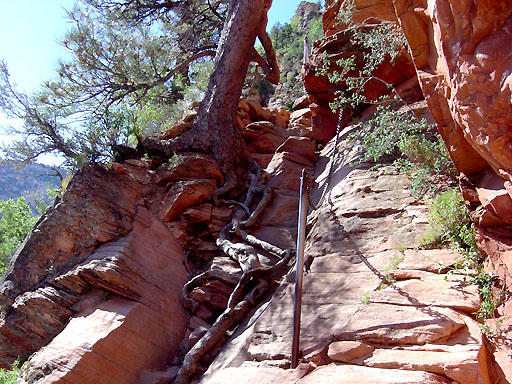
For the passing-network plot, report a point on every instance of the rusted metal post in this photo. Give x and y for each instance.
(301, 236)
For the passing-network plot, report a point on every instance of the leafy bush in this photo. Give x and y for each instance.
(10, 376)
(17, 219)
(16, 222)
(450, 218)
(411, 142)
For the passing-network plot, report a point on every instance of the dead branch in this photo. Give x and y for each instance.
(264, 202)
(271, 68)
(255, 242)
(257, 273)
(217, 331)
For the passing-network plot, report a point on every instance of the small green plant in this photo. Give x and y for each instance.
(401, 249)
(450, 218)
(430, 239)
(10, 376)
(388, 278)
(175, 160)
(494, 331)
(484, 281)
(393, 263)
(365, 299)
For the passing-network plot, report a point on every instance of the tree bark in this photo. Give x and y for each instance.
(215, 128)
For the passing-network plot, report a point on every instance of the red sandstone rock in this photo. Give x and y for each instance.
(302, 102)
(185, 194)
(176, 130)
(332, 373)
(255, 111)
(466, 78)
(266, 143)
(494, 196)
(111, 340)
(280, 117)
(346, 351)
(250, 375)
(189, 167)
(299, 145)
(107, 344)
(432, 289)
(466, 366)
(431, 260)
(322, 91)
(364, 11)
(301, 116)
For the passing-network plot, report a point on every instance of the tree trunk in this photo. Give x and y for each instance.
(216, 129)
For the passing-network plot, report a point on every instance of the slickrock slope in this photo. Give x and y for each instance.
(354, 324)
(465, 74)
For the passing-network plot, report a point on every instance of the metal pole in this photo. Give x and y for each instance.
(301, 235)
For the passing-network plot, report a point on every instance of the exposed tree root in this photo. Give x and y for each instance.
(264, 202)
(254, 274)
(217, 331)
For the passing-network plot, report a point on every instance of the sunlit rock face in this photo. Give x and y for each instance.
(465, 70)
(97, 283)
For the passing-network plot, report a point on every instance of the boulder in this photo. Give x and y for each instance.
(346, 351)
(300, 145)
(189, 167)
(186, 194)
(363, 11)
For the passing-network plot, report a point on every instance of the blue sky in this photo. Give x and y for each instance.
(30, 31)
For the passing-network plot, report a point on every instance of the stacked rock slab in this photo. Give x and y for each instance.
(99, 281)
(355, 324)
(466, 77)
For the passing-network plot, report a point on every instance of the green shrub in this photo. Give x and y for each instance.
(430, 239)
(16, 221)
(10, 376)
(410, 142)
(450, 218)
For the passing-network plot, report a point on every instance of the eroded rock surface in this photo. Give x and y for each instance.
(466, 78)
(99, 281)
(381, 332)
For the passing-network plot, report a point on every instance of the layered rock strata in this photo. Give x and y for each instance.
(107, 265)
(465, 74)
(363, 317)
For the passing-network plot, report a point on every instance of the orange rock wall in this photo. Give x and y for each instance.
(460, 50)
(463, 64)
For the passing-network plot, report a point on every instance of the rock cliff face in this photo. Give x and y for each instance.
(96, 293)
(354, 324)
(465, 74)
